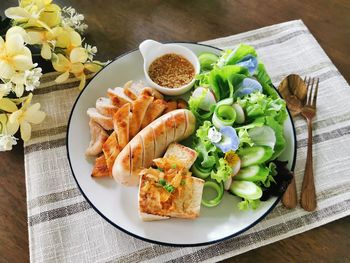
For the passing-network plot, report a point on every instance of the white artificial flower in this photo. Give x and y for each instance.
(6, 142)
(5, 89)
(91, 51)
(71, 18)
(31, 78)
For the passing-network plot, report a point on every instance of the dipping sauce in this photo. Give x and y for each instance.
(171, 71)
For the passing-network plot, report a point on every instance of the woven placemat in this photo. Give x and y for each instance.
(64, 228)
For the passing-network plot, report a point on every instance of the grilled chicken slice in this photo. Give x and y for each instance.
(100, 169)
(98, 137)
(118, 96)
(135, 89)
(152, 92)
(105, 106)
(121, 120)
(182, 104)
(170, 106)
(154, 110)
(104, 121)
(139, 108)
(111, 149)
(129, 91)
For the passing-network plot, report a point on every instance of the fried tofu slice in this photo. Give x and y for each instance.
(104, 121)
(105, 106)
(111, 149)
(121, 123)
(100, 168)
(184, 154)
(118, 96)
(139, 108)
(170, 106)
(169, 191)
(155, 109)
(98, 137)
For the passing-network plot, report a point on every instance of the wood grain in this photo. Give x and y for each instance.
(118, 26)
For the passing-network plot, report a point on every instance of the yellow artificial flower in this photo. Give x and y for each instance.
(14, 55)
(74, 65)
(67, 38)
(24, 117)
(35, 13)
(45, 38)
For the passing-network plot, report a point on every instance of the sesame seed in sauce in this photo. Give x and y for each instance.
(171, 71)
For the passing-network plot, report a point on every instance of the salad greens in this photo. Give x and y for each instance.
(240, 133)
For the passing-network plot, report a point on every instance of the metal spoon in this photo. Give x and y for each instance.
(293, 89)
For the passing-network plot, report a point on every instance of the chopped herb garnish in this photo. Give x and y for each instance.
(173, 166)
(160, 169)
(162, 182)
(169, 188)
(183, 182)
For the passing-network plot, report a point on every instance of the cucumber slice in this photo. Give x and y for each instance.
(240, 117)
(228, 101)
(218, 188)
(200, 172)
(224, 115)
(206, 60)
(246, 190)
(255, 155)
(253, 173)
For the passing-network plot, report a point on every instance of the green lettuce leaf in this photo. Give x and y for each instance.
(223, 171)
(231, 57)
(207, 152)
(265, 81)
(223, 81)
(247, 203)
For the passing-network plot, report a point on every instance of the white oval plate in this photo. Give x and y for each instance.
(118, 204)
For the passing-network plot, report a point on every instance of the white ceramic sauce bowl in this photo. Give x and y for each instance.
(152, 50)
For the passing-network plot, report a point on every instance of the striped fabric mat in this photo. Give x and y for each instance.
(64, 228)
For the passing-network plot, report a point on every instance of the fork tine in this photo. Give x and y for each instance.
(314, 99)
(309, 91)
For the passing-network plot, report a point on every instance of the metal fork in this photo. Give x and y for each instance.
(308, 193)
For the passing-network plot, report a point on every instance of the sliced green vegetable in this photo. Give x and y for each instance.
(200, 171)
(254, 155)
(219, 193)
(240, 116)
(207, 60)
(224, 115)
(246, 190)
(253, 173)
(263, 136)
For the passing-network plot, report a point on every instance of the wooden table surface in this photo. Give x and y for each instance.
(118, 26)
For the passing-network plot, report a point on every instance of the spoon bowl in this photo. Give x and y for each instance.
(293, 89)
